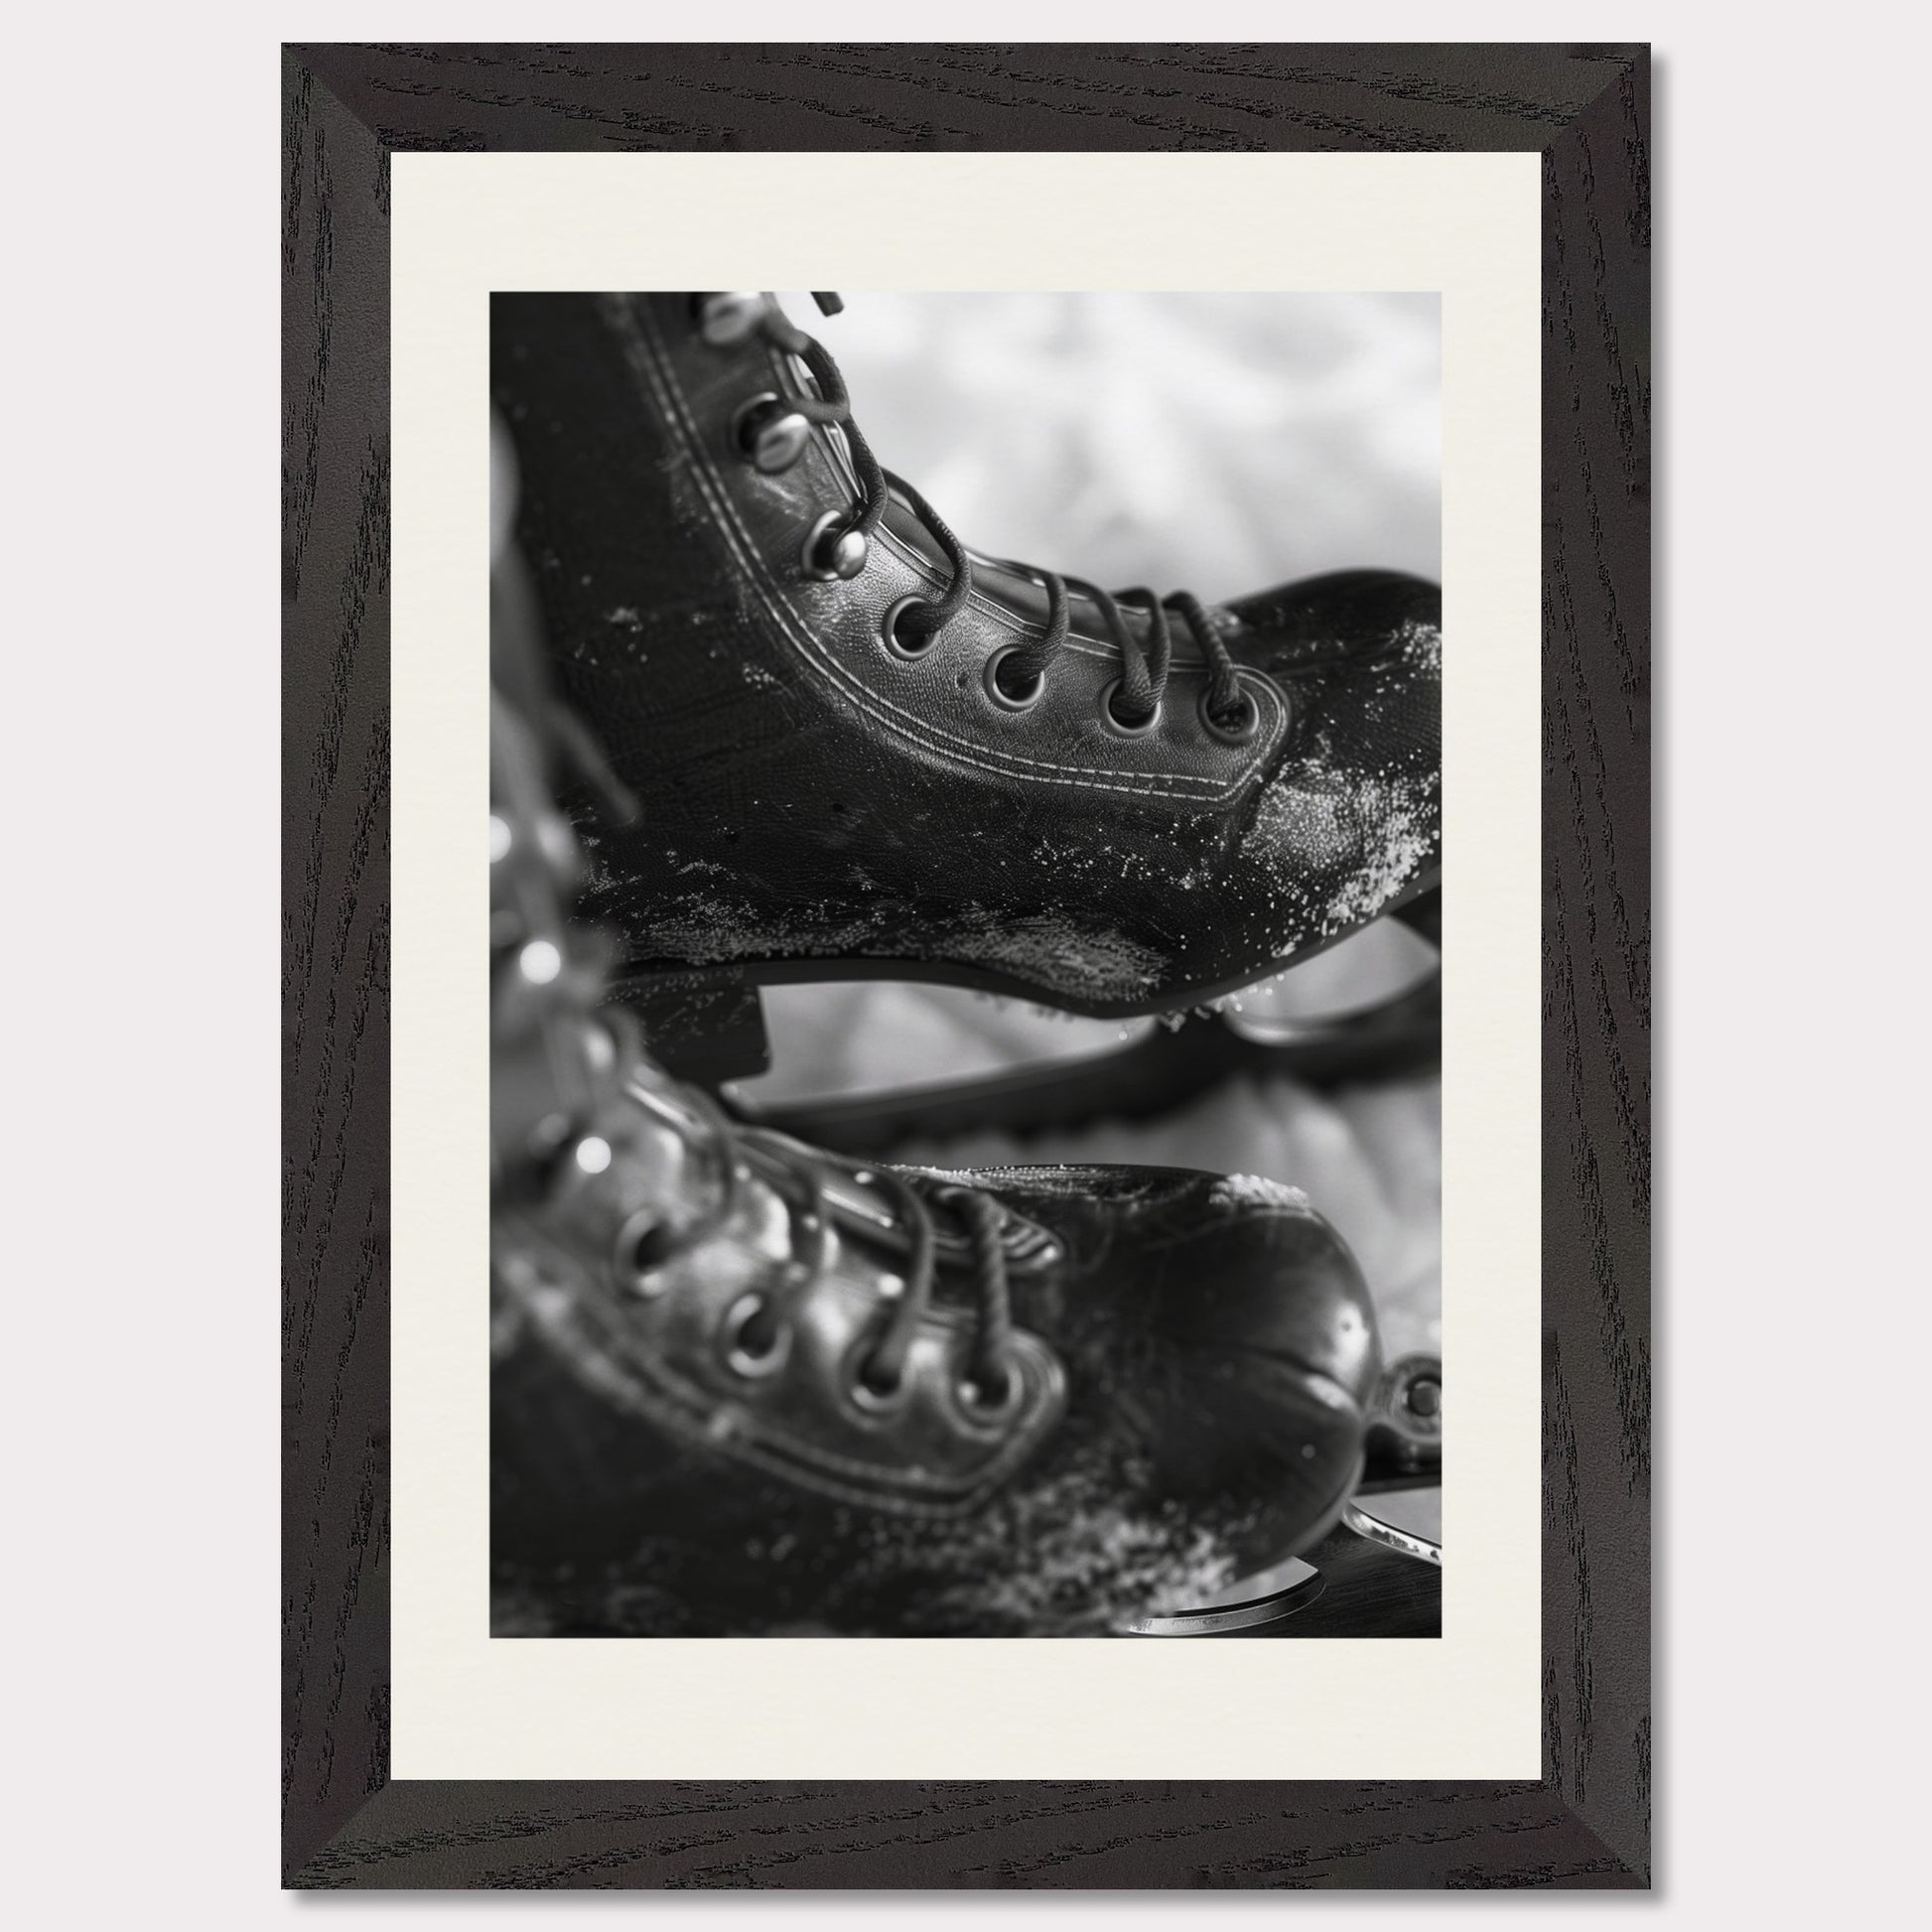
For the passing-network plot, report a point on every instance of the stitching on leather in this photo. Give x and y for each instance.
(646, 356)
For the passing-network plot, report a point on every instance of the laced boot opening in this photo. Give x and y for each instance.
(770, 431)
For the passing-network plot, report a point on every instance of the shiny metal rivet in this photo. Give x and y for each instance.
(834, 549)
(1118, 726)
(1005, 699)
(593, 1154)
(540, 962)
(769, 434)
(727, 319)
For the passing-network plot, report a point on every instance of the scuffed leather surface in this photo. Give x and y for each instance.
(810, 797)
(1217, 1348)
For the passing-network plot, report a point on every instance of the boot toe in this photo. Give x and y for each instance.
(1349, 820)
(1264, 1277)
(1273, 1350)
(1349, 616)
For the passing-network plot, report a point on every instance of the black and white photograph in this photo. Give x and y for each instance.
(965, 984)
(945, 1114)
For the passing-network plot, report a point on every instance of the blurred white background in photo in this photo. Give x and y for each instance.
(1212, 443)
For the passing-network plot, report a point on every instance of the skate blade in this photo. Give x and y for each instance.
(1369, 971)
(1387, 1570)
(1248, 1604)
(1380, 1522)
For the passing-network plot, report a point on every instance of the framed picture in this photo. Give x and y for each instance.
(985, 1139)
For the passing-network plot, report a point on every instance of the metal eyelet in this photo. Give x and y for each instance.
(864, 1397)
(769, 433)
(639, 1251)
(1238, 734)
(1005, 699)
(975, 1403)
(727, 319)
(845, 558)
(889, 631)
(1115, 724)
(752, 1363)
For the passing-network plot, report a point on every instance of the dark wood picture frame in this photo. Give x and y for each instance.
(1586, 1823)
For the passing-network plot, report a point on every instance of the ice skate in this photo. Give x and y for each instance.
(863, 750)
(742, 1386)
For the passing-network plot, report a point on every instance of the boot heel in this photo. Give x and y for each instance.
(699, 1030)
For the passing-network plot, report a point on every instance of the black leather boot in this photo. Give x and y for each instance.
(861, 748)
(742, 1386)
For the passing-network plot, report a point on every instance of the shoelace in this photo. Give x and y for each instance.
(590, 1059)
(1144, 667)
(801, 1176)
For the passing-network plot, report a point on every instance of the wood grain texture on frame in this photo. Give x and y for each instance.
(1585, 110)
